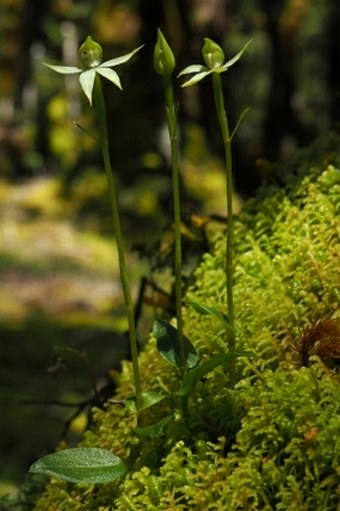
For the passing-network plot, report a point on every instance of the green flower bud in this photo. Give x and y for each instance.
(212, 53)
(90, 53)
(163, 58)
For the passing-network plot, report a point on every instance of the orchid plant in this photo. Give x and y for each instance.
(90, 56)
(100, 466)
(214, 58)
(164, 64)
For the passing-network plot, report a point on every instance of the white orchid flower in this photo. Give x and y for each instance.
(90, 55)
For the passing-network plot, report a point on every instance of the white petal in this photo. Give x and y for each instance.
(197, 78)
(86, 80)
(195, 68)
(120, 60)
(236, 57)
(65, 70)
(111, 75)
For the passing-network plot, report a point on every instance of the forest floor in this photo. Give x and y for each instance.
(59, 288)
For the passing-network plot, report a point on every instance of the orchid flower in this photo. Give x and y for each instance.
(90, 55)
(214, 58)
(90, 73)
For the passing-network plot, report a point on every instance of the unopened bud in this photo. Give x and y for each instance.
(163, 58)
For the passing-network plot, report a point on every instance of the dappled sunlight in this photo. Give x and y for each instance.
(169, 275)
(47, 262)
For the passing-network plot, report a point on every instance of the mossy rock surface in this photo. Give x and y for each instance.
(273, 442)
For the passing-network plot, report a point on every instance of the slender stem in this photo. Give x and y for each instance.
(102, 125)
(229, 267)
(172, 127)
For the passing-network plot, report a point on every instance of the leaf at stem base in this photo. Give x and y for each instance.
(86, 465)
(168, 344)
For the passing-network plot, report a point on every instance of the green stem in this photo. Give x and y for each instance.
(229, 267)
(102, 125)
(172, 127)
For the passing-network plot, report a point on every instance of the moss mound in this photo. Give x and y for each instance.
(273, 442)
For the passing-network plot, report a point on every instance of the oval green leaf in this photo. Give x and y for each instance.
(168, 344)
(86, 465)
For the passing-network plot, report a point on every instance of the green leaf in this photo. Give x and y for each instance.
(86, 131)
(240, 119)
(87, 465)
(168, 344)
(148, 399)
(205, 310)
(155, 407)
(151, 398)
(153, 429)
(197, 373)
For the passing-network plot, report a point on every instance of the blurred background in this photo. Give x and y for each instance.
(58, 269)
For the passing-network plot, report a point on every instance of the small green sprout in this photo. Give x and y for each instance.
(90, 56)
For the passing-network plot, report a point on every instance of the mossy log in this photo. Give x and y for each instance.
(272, 442)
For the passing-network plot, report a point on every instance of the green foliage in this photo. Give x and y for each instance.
(272, 443)
(286, 273)
(212, 311)
(276, 293)
(197, 373)
(168, 344)
(85, 465)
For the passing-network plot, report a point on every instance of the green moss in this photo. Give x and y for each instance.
(272, 443)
